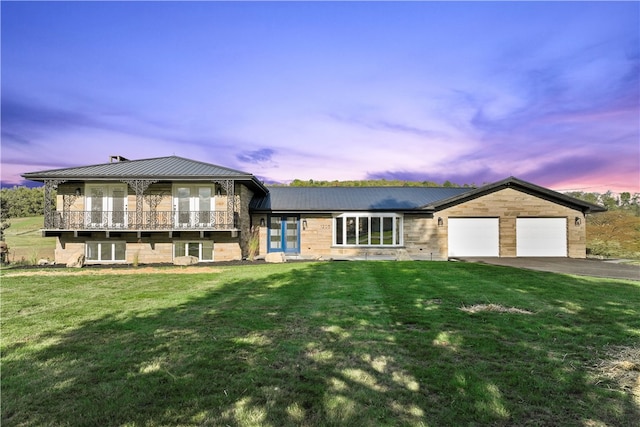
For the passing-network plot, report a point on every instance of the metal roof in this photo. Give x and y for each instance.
(307, 199)
(332, 199)
(172, 168)
(159, 167)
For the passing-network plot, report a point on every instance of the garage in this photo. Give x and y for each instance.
(541, 237)
(474, 237)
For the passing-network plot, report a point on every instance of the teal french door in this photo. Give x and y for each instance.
(284, 234)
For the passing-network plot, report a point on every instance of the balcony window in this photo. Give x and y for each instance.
(107, 205)
(193, 205)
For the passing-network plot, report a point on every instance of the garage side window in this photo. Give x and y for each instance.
(367, 230)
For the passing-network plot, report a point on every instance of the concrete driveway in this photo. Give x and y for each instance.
(584, 267)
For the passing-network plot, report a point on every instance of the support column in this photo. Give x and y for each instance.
(229, 187)
(49, 215)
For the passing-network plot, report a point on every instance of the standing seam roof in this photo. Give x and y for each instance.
(352, 198)
(160, 167)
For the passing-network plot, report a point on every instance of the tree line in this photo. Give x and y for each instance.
(369, 183)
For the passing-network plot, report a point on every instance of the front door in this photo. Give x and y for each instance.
(284, 234)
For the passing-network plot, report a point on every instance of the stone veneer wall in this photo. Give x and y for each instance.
(421, 237)
(156, 248)
(509, 204)
(316, 239)
(424, 239)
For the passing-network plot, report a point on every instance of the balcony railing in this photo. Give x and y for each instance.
(131, 220)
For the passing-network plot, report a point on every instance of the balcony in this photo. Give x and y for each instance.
(145, 221)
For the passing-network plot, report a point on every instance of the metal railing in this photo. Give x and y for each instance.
(131, 220)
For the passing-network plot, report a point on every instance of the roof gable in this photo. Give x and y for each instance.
(520, 185)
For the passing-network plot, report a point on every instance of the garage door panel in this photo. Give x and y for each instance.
(541, 237)
(474, 237)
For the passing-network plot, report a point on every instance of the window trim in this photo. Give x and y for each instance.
(397, 228)
(99, 252)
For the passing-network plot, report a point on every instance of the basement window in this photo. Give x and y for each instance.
(367, 229)
(106, 251)
(203, 250)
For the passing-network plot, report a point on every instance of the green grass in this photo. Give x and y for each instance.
(26, 244)
(327, 344)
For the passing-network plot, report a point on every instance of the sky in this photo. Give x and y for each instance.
(469, 92)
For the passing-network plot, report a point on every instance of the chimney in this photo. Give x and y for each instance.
(115, 159)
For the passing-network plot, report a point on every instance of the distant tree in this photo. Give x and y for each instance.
(614, 233)
(4, 223)
(625, 199)
(23, 201)
(370, 183)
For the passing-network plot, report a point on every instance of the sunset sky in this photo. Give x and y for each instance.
(470, 92)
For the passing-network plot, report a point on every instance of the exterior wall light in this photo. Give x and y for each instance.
(261, 222)
(78, 191)
(578, 221)
(304, 224)
(440, 221)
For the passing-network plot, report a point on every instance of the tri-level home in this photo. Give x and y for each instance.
(154, 210)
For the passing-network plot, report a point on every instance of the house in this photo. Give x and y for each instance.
(153, 210)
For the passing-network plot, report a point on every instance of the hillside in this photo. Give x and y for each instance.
(26, 244)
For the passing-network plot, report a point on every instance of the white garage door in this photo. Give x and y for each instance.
(473, 237)
(541, 237)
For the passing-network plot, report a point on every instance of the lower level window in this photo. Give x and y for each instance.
(367, 230)
(106, 251)
(202, 250)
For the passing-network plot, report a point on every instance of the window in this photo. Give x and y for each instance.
(107, 205)
(203, 250)
(106, 251)
(368, 230)
(193, 205)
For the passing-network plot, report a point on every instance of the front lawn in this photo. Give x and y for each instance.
(319, 344)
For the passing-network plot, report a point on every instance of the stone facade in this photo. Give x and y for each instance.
(151, 227)
(424, 238)
(152, 246)
(509, 204)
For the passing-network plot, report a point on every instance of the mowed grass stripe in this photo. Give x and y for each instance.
(357, 343)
